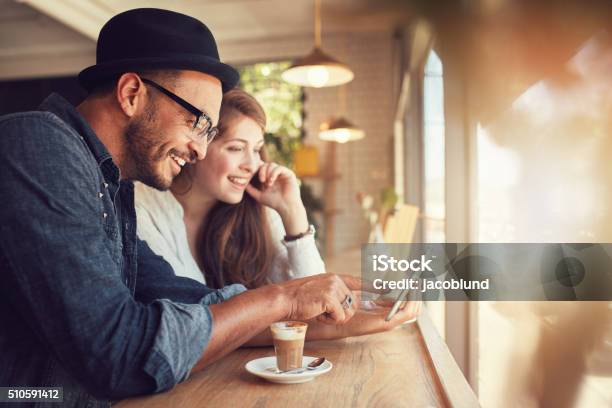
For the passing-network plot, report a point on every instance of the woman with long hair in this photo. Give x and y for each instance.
(233, 217)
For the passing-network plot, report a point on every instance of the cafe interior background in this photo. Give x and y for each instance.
(484, 120)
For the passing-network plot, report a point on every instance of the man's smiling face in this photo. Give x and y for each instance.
(159, 138)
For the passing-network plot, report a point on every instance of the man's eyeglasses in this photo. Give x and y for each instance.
(202, 127)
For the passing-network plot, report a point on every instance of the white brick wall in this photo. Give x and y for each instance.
(365, 165)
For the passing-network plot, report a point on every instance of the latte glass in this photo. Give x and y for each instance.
(288, 338)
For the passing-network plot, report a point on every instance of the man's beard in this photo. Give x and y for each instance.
(143, 151)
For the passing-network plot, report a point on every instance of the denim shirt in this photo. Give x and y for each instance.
(84, 304)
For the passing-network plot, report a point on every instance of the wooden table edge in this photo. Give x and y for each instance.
(456, 389)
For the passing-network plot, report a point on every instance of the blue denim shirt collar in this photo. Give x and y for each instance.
(59, 106)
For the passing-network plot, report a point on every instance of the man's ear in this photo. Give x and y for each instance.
(130, 93)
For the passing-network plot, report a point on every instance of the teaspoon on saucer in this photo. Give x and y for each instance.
(314, 364)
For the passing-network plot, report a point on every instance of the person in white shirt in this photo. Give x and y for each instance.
(232, 217)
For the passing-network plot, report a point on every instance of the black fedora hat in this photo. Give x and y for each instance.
(149, 38)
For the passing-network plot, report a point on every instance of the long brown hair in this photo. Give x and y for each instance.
(234, 244)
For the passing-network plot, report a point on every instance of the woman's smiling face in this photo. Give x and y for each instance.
(231, 161)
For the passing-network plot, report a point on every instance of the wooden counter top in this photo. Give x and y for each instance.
(408, 367)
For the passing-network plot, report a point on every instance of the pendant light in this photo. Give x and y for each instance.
(318, 69)
(338, 128)
(341, 130)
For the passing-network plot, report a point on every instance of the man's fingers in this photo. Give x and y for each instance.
(325, 319)
(351, 282)
(356, 297)
(349, 313)
(347, 301)
(368, 286)
(334, 310)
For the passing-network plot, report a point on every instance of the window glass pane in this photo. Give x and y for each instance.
(433, 155)
(545, 175)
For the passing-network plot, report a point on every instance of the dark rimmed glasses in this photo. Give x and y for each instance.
(202, 127)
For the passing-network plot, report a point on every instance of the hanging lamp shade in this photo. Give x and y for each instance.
(340, 130)
(318, 70)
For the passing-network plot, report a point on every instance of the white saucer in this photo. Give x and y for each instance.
(265, 367)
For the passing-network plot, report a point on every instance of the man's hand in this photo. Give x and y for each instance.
(320, 297)
(365, 322)
(250, 314)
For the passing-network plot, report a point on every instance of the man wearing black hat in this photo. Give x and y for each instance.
(84, 304)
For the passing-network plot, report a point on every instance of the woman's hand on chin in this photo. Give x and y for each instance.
(280, 191)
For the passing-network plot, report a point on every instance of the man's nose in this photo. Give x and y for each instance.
(198, 149)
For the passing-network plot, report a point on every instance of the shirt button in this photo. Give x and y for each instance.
(105, 185)
(105, 215)
(100, 195)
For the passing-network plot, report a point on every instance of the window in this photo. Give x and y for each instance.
(283, 104)
(434, 208)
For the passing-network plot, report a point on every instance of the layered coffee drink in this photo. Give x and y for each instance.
(288, 338)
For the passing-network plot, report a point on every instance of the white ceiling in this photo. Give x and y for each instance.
(233, 20)
(54, 37)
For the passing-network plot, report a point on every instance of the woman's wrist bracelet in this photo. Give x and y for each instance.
(309, 231)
